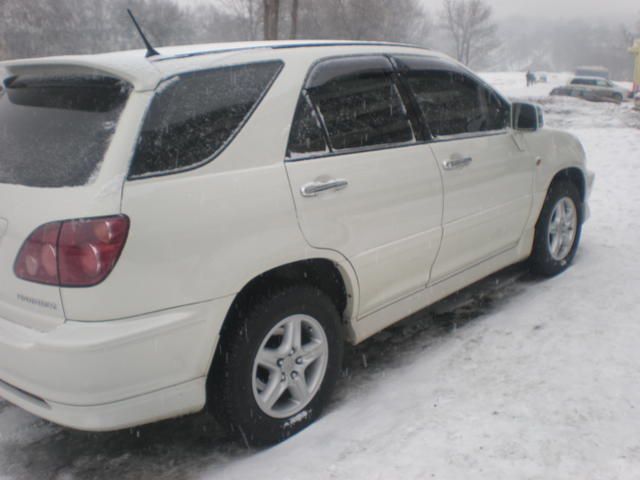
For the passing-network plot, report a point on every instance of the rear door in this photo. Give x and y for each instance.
(55, 130)
(487, 178)
(363, 184)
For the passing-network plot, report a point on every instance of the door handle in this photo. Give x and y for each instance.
(456, 163)
(314, 188)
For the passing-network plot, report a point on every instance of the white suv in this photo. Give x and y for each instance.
(207, 226)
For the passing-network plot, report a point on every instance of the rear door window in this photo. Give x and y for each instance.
(307, 136)
(55, 129)
(584, 81)
(358, 101)
(194, 116)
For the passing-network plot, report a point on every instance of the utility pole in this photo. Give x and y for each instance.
(271, 15)
(635, 50)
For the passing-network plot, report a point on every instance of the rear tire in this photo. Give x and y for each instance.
(277, 365)
(558, 230)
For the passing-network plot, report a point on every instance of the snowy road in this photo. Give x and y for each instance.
(532, 379)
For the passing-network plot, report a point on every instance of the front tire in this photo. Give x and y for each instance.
(277, 365)
(558, 230)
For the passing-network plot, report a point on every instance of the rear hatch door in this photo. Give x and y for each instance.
(57, 129)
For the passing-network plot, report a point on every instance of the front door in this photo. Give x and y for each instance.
(487, 178)
(488, 183)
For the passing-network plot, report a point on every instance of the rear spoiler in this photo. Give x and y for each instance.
(141, 74)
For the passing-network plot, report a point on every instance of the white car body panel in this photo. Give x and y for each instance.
(89, 374)
(372, 324)
(486, 203)
(137, 347)
(387, 222)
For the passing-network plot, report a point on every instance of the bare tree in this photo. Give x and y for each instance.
(294, 19)
(249, 12)
(469, 22)
(388, 20)
(271, 17)
(93, 26)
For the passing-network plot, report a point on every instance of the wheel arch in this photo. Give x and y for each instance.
(543, 260)
(572, 175)
(333, 277)
(328, 275)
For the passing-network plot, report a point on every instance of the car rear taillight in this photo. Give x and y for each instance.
(73, 253)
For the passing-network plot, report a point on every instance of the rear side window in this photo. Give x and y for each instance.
(194, 116)
(55, 129)
(584, 81)
(359, 103)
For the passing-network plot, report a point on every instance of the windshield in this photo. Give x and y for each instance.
(55, 130)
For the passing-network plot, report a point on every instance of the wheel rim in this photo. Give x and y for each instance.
(290, 366)
(563, 224)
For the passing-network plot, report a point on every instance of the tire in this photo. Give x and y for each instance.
(252, 362)
(618, 98)
(556, 238)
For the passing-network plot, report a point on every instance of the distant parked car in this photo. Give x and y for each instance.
(596, 82)
(594, 89)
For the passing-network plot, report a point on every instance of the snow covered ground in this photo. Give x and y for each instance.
(529, 379)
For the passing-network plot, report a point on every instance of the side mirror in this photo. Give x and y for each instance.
(527, 116)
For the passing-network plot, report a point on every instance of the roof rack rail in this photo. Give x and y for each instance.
(283, 46)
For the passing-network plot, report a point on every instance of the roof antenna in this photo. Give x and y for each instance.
(151, 52)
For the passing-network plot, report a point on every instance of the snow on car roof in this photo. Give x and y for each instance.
(145, 73)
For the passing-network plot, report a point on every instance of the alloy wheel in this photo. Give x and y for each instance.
(562, 229)
(290, 365)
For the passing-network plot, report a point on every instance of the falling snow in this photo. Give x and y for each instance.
(514, 378)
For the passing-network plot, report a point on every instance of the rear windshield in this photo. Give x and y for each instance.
(55, 130)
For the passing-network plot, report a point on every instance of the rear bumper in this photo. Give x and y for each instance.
(151, 407)
(111, 375)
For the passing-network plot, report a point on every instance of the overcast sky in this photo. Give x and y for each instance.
(621, 10)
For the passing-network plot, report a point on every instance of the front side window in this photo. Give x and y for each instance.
(498, 111)
(453, 103)
(450, 99)
(194, 116)
(359, 103)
